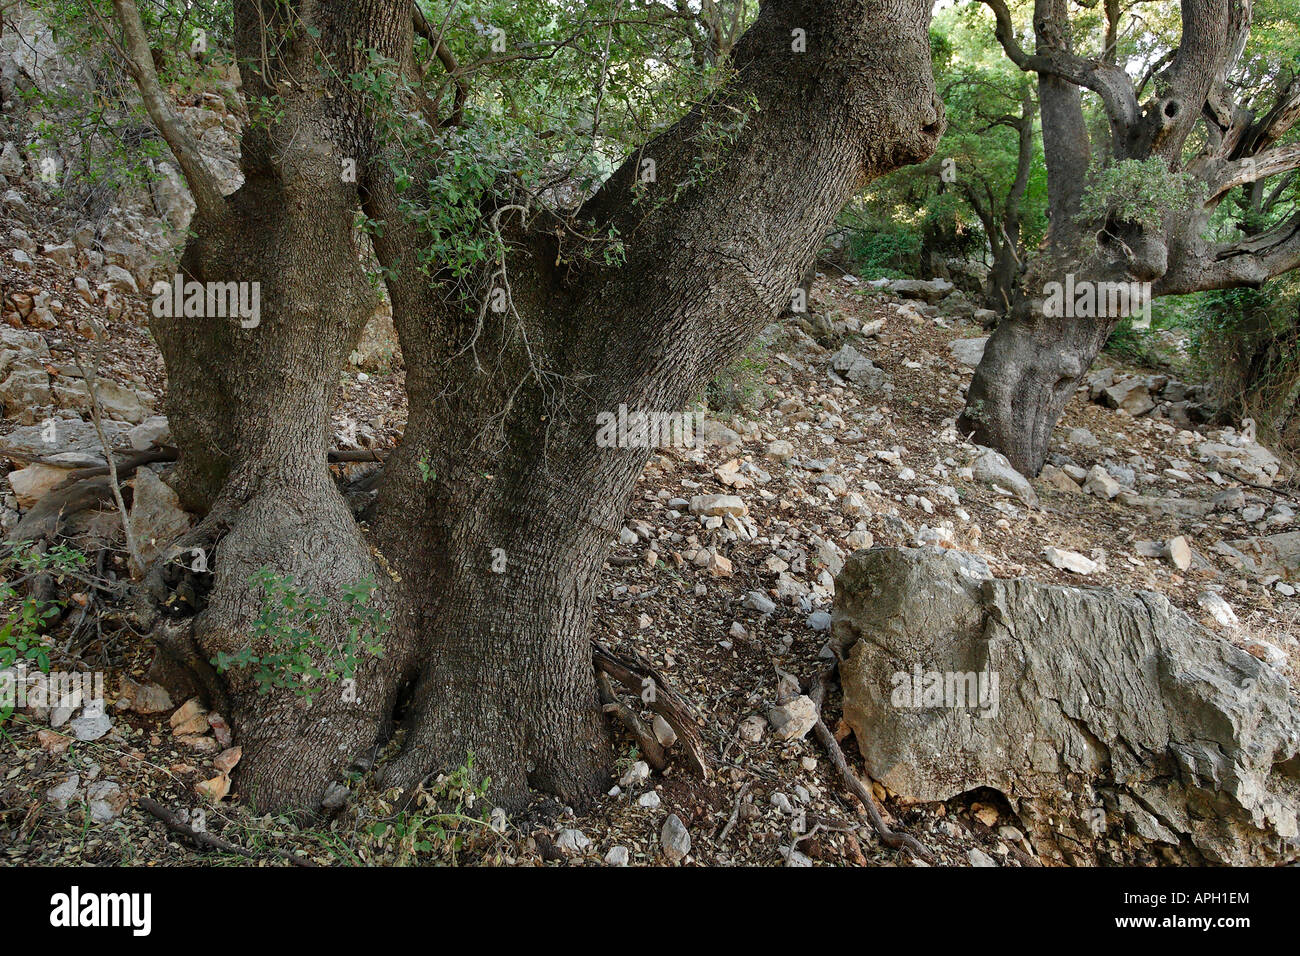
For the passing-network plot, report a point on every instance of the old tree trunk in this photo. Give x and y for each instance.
(249, 398)
(495, 514)
(1036, 357)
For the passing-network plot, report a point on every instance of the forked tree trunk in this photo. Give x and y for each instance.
(1003, 226)
(501, 589)
(1036, 357)
(497, 510)
(1003, 277)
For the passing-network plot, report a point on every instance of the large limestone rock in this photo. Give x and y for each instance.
(992, 468)
(1131, 394)
(378, 345)
(928, 291)
(37, 480)
(1248, 460)
(1117, 727)
(23, 390)
(1270, 554)
(968, 351)
(11, 162)
(28, 443)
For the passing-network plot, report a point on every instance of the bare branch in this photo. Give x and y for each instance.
(1107, 80)
(1254, 168)
(1277, 122)
(203, 184)
(1250, 262)
(447, 59)
(1156, 66)
(90, 374)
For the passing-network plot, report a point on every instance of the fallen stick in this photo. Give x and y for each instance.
(650, 747)
(129, 461)
(340, 456)
(895, 841)
(792, 849)
(205, 840)
(640, 677)
(735, 813)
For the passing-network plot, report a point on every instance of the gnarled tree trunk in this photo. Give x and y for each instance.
(505, 404)
(1033, 362)
(497, 510)
(250, 397)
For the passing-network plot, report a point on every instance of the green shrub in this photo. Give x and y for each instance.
(1247, 344)
(292, 650)
(25, 622)
(741, 385)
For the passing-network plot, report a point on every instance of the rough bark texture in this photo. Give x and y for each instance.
(250, 406)
(504, 405)
(1032, 362)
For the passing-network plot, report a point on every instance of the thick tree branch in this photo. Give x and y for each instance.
(1156, 66)
(1254, 168)
(1107, 80)
(203, 184)
(1276, 123)
(1267, 203)
(1250, 262)
(1111, 43)
(1194, 84)
(1237, 31)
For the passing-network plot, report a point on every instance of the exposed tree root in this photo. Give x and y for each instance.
(735, 813)
(896, 841)
(126, 464)
(43, 521)
(649, 745)
(182, 668)
(205, 840)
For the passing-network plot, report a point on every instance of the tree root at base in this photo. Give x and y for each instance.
(889, 838)
(207, 841)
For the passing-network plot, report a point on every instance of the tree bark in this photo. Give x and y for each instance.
(250, 397)
(496, 512)
(1004, 229)
(1031, 366)
(504, 405)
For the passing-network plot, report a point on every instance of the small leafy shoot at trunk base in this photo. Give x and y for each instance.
(297, 656)
(444, 818)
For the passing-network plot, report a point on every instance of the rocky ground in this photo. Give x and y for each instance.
(723, 577)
